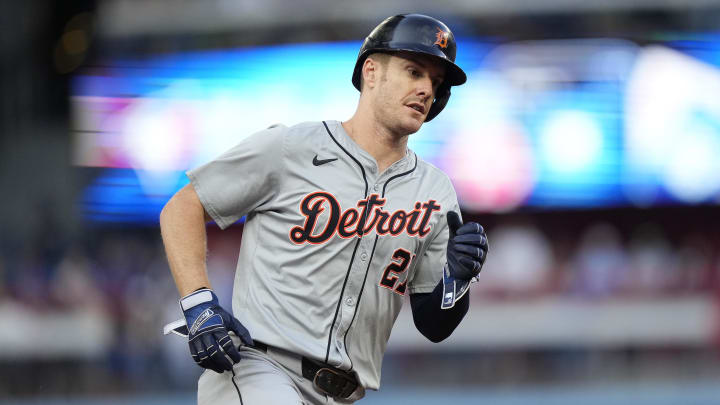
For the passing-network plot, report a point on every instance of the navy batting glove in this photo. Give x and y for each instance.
(467, 247)
(208, 326)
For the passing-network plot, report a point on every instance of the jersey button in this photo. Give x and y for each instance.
(349, 301)
(375, 187)
(363, 256)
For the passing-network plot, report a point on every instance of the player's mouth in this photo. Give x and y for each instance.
(419, 107)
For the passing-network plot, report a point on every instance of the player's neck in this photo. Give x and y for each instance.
(386, 147)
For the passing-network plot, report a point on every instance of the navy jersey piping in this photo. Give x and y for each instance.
(398, 175)
(372, 253)
(352, 258)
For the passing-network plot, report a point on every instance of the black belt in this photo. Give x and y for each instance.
(326, 378)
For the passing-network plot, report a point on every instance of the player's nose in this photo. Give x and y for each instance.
(424, 88)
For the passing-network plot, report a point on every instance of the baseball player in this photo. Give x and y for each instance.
(342, 221)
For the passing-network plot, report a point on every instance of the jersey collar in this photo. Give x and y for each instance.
(364, 157)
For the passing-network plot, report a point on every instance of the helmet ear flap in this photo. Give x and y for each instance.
(443, 95)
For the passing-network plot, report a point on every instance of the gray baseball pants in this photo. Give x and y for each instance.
(263, 378)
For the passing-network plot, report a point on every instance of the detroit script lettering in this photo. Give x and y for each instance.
(358, 221)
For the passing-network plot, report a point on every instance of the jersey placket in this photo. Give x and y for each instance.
(360, 267)
(349, 306)
(356, 278)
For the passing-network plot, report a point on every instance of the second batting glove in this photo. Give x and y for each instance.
(467, 248)
(208, 326)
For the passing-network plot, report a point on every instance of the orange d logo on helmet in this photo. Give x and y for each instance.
(441, 38)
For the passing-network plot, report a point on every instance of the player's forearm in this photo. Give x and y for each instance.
(182, 224)
(433, 322)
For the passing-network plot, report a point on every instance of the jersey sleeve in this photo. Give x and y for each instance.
(428, 271)
(243, 179)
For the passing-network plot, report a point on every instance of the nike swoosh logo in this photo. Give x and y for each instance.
(319, 162)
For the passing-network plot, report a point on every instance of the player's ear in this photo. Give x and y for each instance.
(370, 72)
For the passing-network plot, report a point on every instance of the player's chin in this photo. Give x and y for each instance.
(415, 125)
(406, 128)
(413, 122)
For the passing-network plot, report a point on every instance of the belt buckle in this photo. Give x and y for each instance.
(333, 372)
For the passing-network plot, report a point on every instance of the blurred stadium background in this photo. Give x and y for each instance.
(587, 139)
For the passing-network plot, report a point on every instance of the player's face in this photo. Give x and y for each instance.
(406, 91)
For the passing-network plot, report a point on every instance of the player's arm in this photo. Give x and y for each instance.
(466, 252)
(431, 320)
(182, 224)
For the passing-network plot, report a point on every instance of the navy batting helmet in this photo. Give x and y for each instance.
(415, 33)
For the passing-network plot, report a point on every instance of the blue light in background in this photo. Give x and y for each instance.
(705, 47)
(117, 196)
(563, 180)
(574, 131)
(251, 70)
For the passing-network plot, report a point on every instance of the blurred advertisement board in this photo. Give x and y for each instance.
(577, 123)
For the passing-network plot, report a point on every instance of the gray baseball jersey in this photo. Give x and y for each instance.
(330, 246)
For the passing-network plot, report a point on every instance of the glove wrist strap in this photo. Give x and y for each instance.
(196, 298)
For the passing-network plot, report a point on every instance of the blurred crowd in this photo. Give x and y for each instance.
(104, 298)
(599, 262)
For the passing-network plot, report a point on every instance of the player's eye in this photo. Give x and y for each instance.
(414, 72)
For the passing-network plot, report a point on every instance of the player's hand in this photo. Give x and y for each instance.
(467, 247)
(208, 326)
